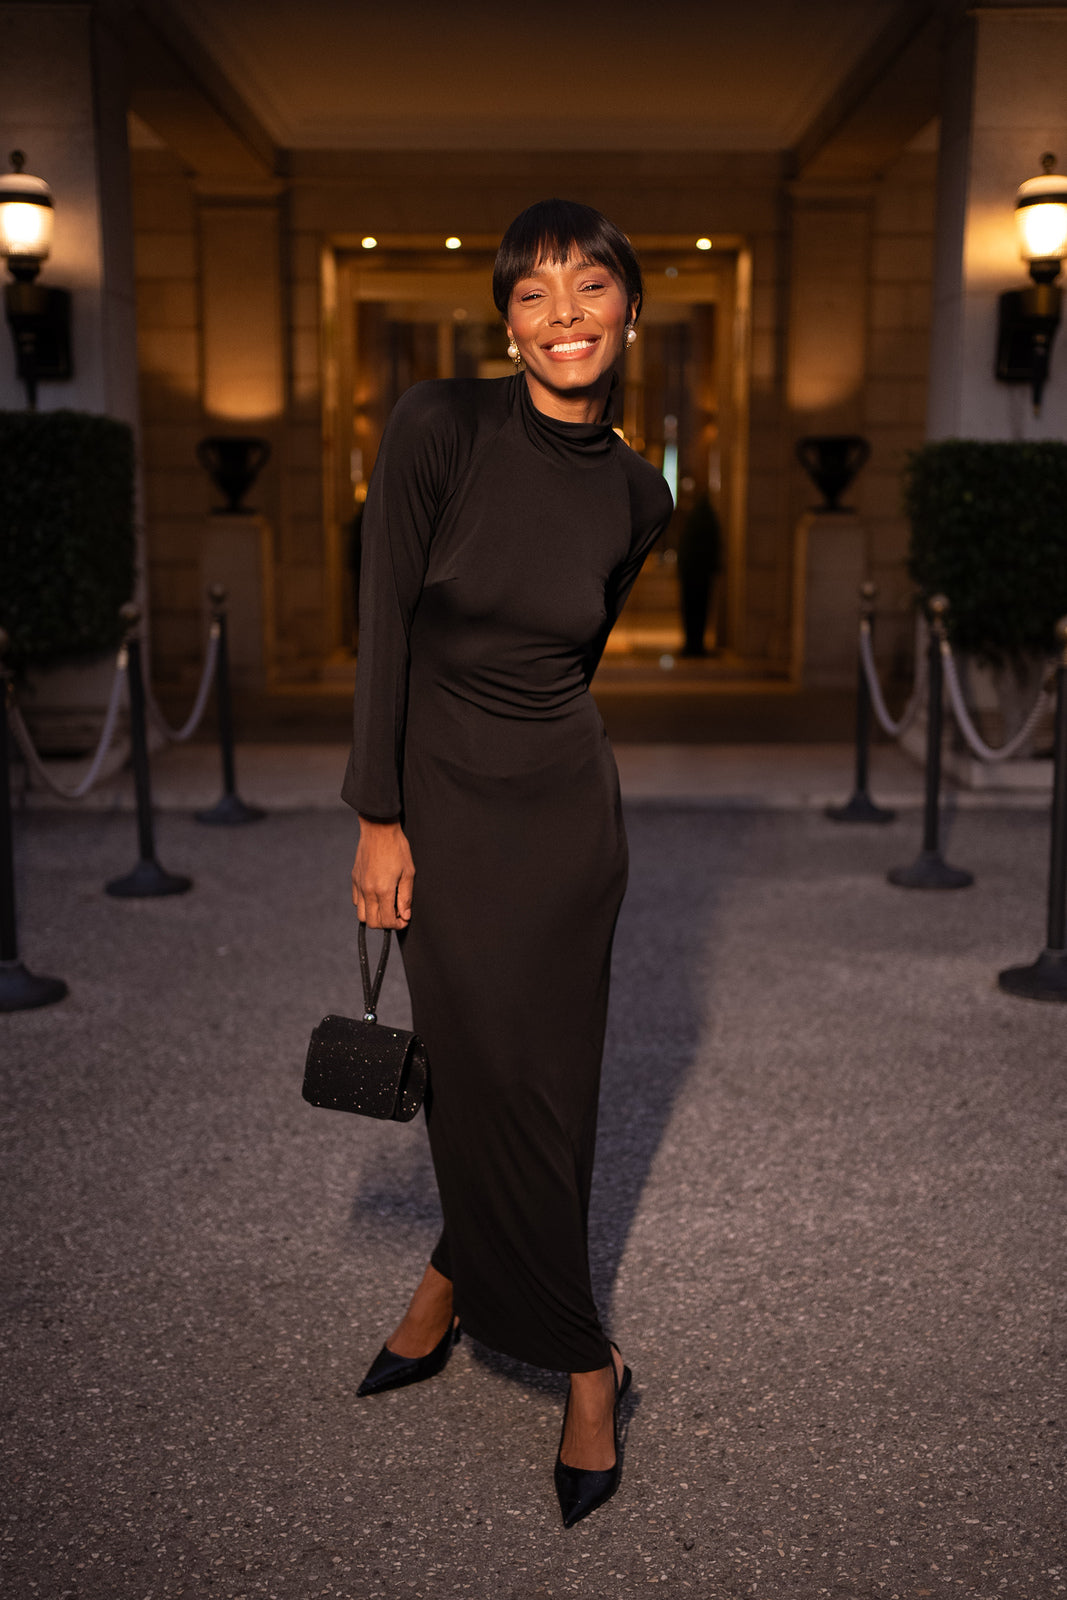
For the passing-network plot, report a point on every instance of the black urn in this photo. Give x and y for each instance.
(233, 463)
(831, 461)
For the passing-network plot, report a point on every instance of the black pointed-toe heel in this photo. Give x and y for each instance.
(580, 1491)
(390, 1371)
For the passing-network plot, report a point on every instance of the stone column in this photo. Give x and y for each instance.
(1004, 105)
(63, 102)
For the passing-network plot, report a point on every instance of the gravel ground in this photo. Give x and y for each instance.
(828, 1232)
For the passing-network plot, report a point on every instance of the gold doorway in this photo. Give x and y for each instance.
(410, 309)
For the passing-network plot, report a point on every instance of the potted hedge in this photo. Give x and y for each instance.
(989, 530)
(67, 559)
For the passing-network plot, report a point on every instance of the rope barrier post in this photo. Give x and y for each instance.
(929, 870)
(860, 807)
(148, 879)
(230, 809)
(1046, 978)
(20, 989)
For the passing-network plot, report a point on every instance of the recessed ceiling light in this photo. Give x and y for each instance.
(703, 244)
(452, 243)
(369, 243)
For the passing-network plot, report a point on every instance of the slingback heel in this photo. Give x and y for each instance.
(580, 1491)
(390, 1371)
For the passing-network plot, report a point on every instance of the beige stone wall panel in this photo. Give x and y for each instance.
(165, 254)
(899, 352)
(903, 258)
(171, 446)
(174, 540)
(168, 303)
(184, 491)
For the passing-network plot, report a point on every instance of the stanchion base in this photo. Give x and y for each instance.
(146, 881)
(1044, 979)
(20, 990)
(229, 812)
(860, 808)
(929, 871)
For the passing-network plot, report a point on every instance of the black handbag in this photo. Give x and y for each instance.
(359, 1065)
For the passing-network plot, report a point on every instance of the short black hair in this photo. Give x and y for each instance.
(551, 231)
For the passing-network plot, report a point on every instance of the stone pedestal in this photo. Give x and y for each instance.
(236, 552)
(830, 566)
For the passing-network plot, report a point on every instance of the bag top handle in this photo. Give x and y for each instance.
(371, 991)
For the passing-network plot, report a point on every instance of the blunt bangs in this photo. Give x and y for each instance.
(553, 230)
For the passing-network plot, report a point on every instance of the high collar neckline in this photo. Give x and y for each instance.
(585, 443)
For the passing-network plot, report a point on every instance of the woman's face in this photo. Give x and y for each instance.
(568, 321)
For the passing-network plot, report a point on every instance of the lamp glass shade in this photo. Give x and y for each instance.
(1041, 217)
(26, 215)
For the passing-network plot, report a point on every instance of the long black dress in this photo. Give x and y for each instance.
(498, 548)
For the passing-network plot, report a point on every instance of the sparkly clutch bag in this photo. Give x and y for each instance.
(359, 1065)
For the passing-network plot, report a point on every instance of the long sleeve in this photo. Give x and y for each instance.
(402, 505)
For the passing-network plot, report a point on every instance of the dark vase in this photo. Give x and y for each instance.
(233, 464)
(831, 461)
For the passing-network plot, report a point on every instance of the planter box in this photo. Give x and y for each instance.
(64, 705)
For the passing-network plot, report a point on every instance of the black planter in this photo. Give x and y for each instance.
(233, 463)
(831, 461)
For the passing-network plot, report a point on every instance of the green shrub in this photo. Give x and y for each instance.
(66, 532)
(989, 530)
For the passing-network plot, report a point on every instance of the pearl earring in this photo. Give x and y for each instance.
(513, 353)
(631, 335)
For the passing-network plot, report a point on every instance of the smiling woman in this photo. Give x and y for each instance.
(568, 285)
(504, 526)
(566, 320)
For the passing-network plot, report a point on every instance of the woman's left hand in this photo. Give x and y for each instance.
(383, 875)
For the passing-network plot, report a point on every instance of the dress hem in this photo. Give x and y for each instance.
(524, 1355)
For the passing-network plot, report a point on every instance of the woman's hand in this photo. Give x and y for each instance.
(383, 875)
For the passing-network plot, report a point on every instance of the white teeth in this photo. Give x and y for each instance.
(574, 344)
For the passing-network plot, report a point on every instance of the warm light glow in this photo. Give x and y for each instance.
(1042, 231)
(369, 243)
(703, 244)
(1041, 217)
(452, 243)
(25, 216)
(236, 401)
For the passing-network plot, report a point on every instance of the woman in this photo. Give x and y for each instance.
(504, 527)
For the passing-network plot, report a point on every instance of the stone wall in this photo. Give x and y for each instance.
(894, 398)
(169, 355)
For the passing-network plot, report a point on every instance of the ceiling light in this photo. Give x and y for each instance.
(703, 244)
(370, 242)
(452, 243)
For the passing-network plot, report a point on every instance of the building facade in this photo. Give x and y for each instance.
(263, 248)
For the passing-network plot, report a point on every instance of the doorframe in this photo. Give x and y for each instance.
(339, 257)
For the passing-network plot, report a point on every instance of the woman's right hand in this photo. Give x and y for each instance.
(383, 875)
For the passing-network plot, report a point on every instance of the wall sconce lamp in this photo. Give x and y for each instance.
(1029, 317)
(39, 318)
